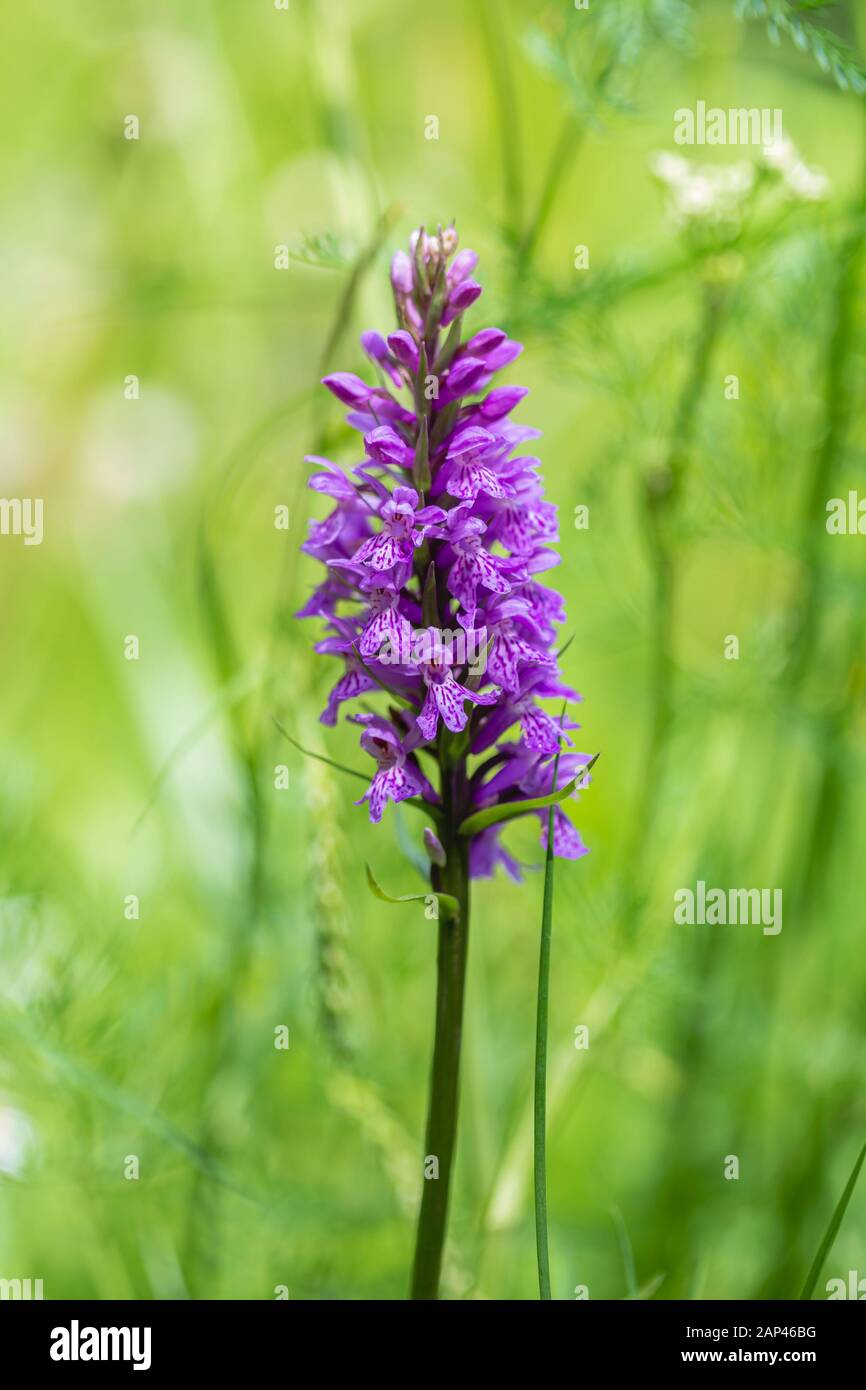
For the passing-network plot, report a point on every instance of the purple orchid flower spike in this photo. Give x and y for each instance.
(474, 539)
(432, 552)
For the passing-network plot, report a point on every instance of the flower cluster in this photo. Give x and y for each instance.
(433, 550)
(718, 194)
(703, 192)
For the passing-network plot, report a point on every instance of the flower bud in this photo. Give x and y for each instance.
(449, 241)
(433, 846)
(401, 273)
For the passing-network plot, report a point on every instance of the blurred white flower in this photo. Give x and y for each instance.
(780, 154)
(702, 192)
(783, 158)
(806, 183)
(670, 168)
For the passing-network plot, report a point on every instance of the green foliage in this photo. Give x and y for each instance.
(323, 251)
(793, 21)
(595, 55)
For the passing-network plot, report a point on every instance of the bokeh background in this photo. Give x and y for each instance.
(153, 1036)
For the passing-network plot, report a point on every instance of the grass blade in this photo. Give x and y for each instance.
(541, 1015)
(832, 1230)
(540, 1092)
(627, 1253)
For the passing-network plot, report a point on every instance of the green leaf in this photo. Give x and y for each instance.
(509, 809)
(430, 598)
(832, 1230)
(449, 347)
(473, 681)
(420, 264)
(421, 466)
(436, 307)
(444, 423)
(448, 906)
(422, 405)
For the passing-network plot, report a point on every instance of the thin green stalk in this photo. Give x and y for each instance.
(541, 1073)
(832, 1230)
(445, 1071)
(540, 1098)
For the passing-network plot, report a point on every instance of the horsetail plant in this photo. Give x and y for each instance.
(433, 605)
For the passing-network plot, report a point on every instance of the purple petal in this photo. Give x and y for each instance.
(501, 400)
(385, 445)
(348, 388)
(401, 273)
(449, 698)
(460, 299)
(428, 719)
(473, 440)
(463, 264)
(404, 348)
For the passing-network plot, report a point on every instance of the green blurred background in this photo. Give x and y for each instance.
(153, 1036)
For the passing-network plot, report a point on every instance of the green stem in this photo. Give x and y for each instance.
(542, 1010)
(541, 1070)
(445, 1071)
